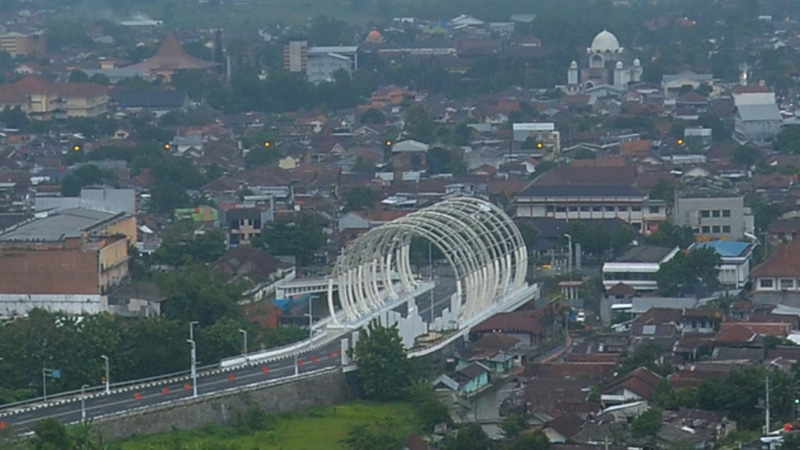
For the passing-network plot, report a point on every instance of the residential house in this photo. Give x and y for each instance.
(713, 214)
(563, 428)
(244, 222)
(465, 381)
(135, 299)
(636, 386)
(637, 267)
(737, 260)
(672, 84)
(777, 280)
(496, 351)
(523, 325)
(546, 140)
(258, 269)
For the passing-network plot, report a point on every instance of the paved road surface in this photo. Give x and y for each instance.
(207, 382)
(212, 381)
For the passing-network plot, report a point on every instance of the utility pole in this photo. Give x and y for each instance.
(766, 410)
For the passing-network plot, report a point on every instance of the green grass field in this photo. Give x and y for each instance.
(322, 428)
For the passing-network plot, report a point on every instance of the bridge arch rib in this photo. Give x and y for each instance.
(480, 242)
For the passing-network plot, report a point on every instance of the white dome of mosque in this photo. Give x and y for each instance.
(636, 62)
(573, 65)
(619, 65)
(605, 41)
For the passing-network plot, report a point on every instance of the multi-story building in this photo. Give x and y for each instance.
(546, 139)
(713, 214)
(637, 267)
(295, 56)
(67, 261)
(20, 44)
(586, 193)
(777, 280)
(43, 100)
(245, 221)
(319, 63)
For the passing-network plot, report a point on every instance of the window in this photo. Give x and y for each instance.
(726, 213)
(636, 225)
(573, 208)
(726, 228)
(561, 209)
(655, 210)
(765, 282)
(609, 209)
(705, 213)
(584, 208)
(787, 283)
(715, 213)
(636, 208)
(597, 208)
(623, 209)
(551, 208)
(715, 229)
(705, 229)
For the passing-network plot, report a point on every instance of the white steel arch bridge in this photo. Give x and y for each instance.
(480, 242)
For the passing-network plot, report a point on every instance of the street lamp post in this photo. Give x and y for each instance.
(108, 380)
(194, 366)
(191, 329)
(83, 402)
(569, 261)
(311, 320)
(244, 337)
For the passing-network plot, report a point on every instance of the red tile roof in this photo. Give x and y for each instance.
(510, 322)
(783, 263)
(171, 56)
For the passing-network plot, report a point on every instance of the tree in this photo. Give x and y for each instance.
(746, 155)
(194, 293)
(84, 175)
(361, 198)
(664, 190)
(647, 424)
(429, 410)
(262, 155)
(78, 76)
(383, 365)
(363, 165)
(439, 160)
(419, 124)
(168, 195)
(300, 237)
(530, 441)
(471, 437)
(669, 235)
(100, 78)
(696, 273)
(50, 434)
(378, 437)
(645, 355)
(788, 139)
(513, 425)
(373, 116)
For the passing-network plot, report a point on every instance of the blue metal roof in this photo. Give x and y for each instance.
(726, 249)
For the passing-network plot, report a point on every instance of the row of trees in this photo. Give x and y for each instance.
(74, 345)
